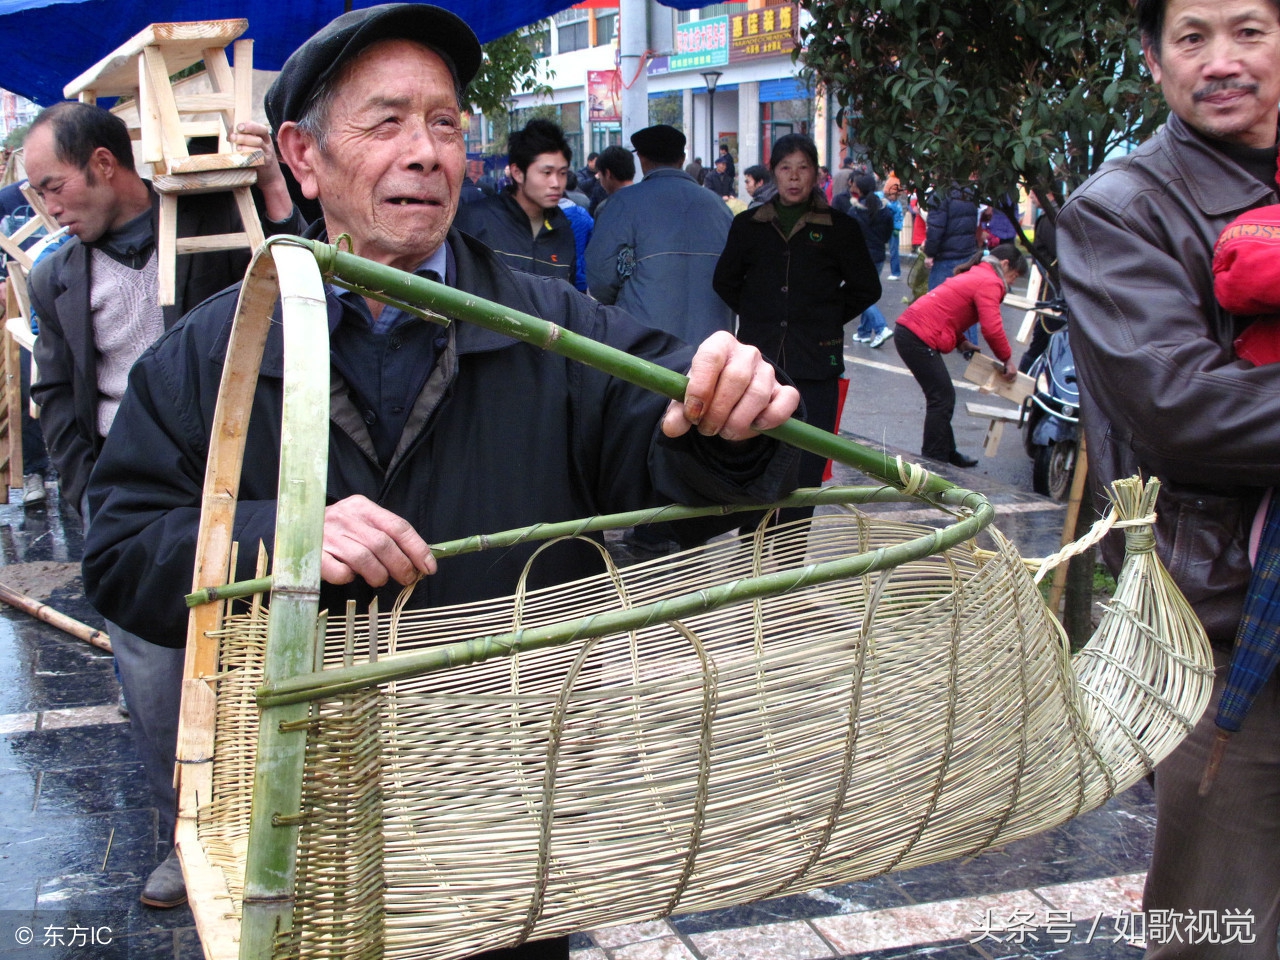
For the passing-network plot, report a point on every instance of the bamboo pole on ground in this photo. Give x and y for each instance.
(42, 611)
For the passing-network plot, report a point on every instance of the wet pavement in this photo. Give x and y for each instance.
(78, 837)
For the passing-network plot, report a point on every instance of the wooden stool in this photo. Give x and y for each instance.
(142, 68)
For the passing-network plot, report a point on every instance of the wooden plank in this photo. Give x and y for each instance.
(167, 249)
(19, 296)
(216, 161)
(13, 412)
(243, 84)
(215, 241)
(161, 95)
(1033, 294)
(1029, 318)
(149, 120)
(991, 442)
(985, 371)
(19, 328)
(15, 253)
(114, 75)
(988, 412)
(223, 83)
(208, 182)
(208, 894)
(204, 102)
(249, 217)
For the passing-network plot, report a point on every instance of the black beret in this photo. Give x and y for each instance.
(344, 37)
(660, 143)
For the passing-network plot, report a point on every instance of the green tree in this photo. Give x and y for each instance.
(509, 66)
(1038, 92)
(14, 140)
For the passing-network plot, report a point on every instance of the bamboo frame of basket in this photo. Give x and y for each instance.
(290, 683)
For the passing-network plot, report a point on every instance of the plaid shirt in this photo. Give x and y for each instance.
(1258, 639)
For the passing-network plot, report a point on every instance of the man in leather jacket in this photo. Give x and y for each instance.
(1164, 395)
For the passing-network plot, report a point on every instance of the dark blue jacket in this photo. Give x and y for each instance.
(952, 227)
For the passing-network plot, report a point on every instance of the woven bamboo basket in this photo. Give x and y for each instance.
(805, 705)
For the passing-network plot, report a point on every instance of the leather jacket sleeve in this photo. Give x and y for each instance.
(1154, 349)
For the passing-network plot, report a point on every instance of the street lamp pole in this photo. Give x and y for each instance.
(712, 77)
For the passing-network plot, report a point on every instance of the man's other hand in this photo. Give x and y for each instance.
(361, 539)
(732, 393)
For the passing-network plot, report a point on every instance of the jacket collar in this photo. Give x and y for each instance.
(1217, 187)
(479, 271)
(658, 173)
(819, 212)
(553, 219)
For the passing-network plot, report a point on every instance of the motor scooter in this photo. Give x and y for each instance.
(1051, 415)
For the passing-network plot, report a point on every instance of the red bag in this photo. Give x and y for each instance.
(843, 388)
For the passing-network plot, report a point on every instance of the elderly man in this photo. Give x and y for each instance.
(434, 433)
(1164, 395)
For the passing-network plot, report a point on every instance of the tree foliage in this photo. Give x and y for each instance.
(509, 66)
(1030, 91)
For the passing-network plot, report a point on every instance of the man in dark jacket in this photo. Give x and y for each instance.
(952, 231)
(1164, 395)
(730, 170)
(524, 224)
(432, 431)
(96, 298)
(718, 181)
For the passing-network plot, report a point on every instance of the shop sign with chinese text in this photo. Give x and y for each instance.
(764, 32)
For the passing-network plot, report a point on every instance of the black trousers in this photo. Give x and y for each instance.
(927, 366)
(821, 398)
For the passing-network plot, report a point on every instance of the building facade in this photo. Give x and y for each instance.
(721, 74)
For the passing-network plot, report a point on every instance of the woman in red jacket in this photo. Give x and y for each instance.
(935, 325)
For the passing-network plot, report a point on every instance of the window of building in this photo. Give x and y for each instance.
(667, 108)
(538, 39)
(715, 10)
(573, 30)
(782, 117)
(574, 36)
(606, 27)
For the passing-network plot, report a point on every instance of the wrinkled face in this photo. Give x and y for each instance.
(393, 165)
(542, 185)
(1219, 67)
(80, 200)
(796, 177)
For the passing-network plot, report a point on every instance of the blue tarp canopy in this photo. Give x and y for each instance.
(44, 45)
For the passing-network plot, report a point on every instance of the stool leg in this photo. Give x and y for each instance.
(249, 217)
(167, 248)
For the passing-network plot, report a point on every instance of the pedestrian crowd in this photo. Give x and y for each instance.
(438, 433)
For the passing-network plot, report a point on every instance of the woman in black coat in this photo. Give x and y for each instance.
(796, 272)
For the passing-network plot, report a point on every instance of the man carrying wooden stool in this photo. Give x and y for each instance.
(97, 302)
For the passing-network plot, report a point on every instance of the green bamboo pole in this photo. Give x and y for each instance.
(381, 282)
(334, 682)
(270, 862)
(810, 496)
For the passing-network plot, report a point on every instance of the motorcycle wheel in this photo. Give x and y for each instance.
(1052, 469)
